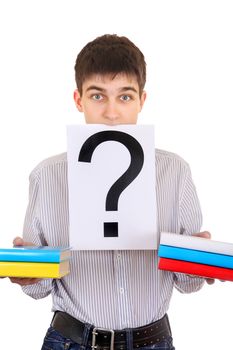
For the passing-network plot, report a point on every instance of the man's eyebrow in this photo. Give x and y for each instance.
(95, 87)
(128, 88)
(122, 89)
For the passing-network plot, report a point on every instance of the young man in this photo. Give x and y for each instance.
(122, 292)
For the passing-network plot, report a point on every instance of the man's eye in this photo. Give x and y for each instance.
(125, 98)
(97, 97)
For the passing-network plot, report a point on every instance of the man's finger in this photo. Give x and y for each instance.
(210, 280)
(18, 241)
(24, 281)
(204, 234)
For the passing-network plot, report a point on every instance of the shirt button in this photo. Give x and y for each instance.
(121, 290)
(118, 256)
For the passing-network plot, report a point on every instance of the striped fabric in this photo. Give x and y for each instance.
(112, 289)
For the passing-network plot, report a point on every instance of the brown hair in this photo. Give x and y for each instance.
(110, 54)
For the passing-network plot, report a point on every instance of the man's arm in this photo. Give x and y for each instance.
(33, 235)
(190, 224)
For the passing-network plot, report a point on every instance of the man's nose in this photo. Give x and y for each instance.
(111, 111)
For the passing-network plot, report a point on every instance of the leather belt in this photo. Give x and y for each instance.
(102, 338)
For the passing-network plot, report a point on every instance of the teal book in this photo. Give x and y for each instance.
(195, 256)
(35, 254)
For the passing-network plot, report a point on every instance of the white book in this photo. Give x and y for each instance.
(196, 243)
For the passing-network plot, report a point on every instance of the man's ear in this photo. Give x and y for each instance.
(142, 98)
(78, 100)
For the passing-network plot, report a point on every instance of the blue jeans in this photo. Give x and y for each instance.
(55, 341)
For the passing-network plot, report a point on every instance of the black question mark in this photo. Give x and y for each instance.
(137, 160)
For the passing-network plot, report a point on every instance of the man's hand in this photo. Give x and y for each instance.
(18, 241)
(205, 234)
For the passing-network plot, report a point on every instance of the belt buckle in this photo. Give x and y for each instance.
(95, 333)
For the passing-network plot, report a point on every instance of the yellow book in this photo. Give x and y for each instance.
(34, 270)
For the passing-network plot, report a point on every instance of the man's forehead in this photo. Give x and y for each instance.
(111, 79)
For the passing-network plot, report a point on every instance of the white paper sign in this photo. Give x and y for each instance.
(111, 178)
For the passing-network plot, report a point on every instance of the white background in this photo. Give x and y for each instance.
(189, 54)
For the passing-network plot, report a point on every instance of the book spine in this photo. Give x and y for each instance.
(33, 270)
(195, 256)
(31, 256)
(197, 243)
(196, 269)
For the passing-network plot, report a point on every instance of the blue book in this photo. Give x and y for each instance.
(35, 254)
(196, 256)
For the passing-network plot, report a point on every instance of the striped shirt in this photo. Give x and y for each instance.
(112, 289)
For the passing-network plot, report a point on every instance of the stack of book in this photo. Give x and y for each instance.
(34, 262)
(196, 256)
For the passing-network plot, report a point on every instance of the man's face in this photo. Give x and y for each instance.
(110, 101)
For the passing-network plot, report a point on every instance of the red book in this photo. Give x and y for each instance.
(191, 268)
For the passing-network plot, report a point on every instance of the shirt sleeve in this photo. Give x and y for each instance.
(190, 222)
(33, 233)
